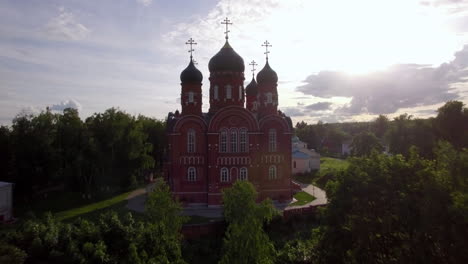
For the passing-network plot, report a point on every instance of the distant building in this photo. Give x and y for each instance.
(303, 159)
(243, 136)
(6, 201)
(346, 147)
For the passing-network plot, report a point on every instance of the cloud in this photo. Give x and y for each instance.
(400, 86)
(293, 111)
(65, 27)
(145, 2)
(66, 104)
(320, 106)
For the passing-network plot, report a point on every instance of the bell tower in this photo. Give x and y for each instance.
(191, 82)
(267, 87)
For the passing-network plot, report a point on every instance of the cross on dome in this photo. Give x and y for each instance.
(191, 42)
(266, 44)
(226, 22)
(253, 64)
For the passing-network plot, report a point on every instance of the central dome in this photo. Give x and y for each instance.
(226, 60)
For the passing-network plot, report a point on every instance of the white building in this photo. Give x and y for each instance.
(6, 201)
(303, 159)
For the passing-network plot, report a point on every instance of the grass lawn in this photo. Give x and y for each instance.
(327, 166)
(118, 201)
(303, 198)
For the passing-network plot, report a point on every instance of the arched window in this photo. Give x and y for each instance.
(243, 174)
(228, 91)
(295, 164)
(243, 140)
(272, 140)
(240, 92)
(224, 175)
(190, 97)
(223, 141)
(191, 174)
(215, 92)
(233, 140)
(191, 141)
(272, 172)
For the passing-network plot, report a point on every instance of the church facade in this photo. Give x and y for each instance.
(243, 136)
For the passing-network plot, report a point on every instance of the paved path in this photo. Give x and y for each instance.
(136, 202)
(319, 194)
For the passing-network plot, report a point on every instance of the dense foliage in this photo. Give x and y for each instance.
(110, 239)
(392, 209)
(398, 135)
(109, 151)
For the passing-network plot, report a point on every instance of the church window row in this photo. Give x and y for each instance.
(228, 93)
(237, 140)
(233, 160)
(225, 175)
(191, 141)
(272, 158)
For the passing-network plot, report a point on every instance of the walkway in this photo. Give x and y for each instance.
(136, 202)
(319, 194)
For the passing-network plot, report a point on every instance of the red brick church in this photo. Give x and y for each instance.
(243, 136)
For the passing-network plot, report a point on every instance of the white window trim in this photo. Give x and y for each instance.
(243, 140)
(216, 92)
(228, 91)
(224, 175)
(223, 144)
(192, 174)
(272, 145)
(243, 174)
(191, 97)
(191, 140)
(272, 172)
(233, 141)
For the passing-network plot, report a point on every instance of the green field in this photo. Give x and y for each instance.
(116, 202)
(328, 167)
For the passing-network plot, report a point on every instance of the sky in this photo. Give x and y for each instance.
(336, 60)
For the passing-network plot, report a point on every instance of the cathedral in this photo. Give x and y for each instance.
(243, 136)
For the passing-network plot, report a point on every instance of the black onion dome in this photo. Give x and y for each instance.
(251, 88)
(267, 74)
(226, 60)
(191, 74)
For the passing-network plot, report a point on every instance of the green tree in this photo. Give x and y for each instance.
(380, 126)
(364, 143)
(452, 123)
(388, 209)
(246, 241)
(164, 225)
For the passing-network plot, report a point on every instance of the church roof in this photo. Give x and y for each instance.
(252, 88)
(226, 60)
(267, 75)
(191, 74)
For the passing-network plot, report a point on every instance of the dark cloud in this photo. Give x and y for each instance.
(66, 104)
(320, 106)
(384, 92)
